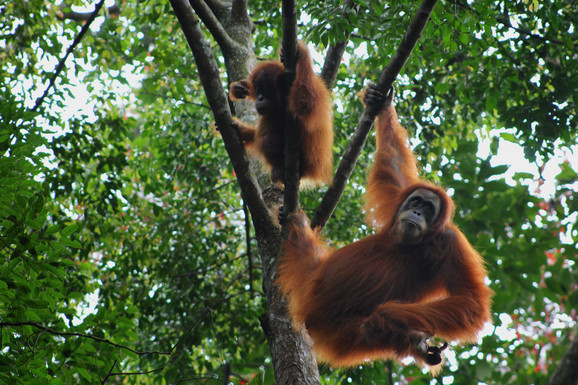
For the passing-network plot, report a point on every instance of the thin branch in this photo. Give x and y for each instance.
(357, 141)
(206, 311)
(169, 361)
(74, 334)
(202, 272)
(98, 339)
(248, 247)
(62, 61)
(199, 378)
(292, 135)
(210, 78)
(335, 52)
(406, 46)
(390, 371)
(212, 23)
(105, 379)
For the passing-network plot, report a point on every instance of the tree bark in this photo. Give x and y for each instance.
(292, 134)
(294, 362)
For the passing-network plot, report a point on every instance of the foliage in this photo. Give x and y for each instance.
(124, 246)
(42, 282)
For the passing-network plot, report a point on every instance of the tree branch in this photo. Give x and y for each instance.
(406, 46)
(62, 61)
(74, 334)
(332, 62)
(292, 135)
(357, 141)
(212, 23)
(335, 51)
(210, 78)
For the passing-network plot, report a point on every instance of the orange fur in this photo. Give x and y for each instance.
(363, 301)
(309, 101)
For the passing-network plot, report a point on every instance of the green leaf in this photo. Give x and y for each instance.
(70, 243)
(32, 316)
(68, 230)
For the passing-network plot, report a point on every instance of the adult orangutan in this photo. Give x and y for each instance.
(385, 295)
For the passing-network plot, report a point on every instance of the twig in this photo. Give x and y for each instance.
(74, 334)
(169, 361)
(109, 373)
